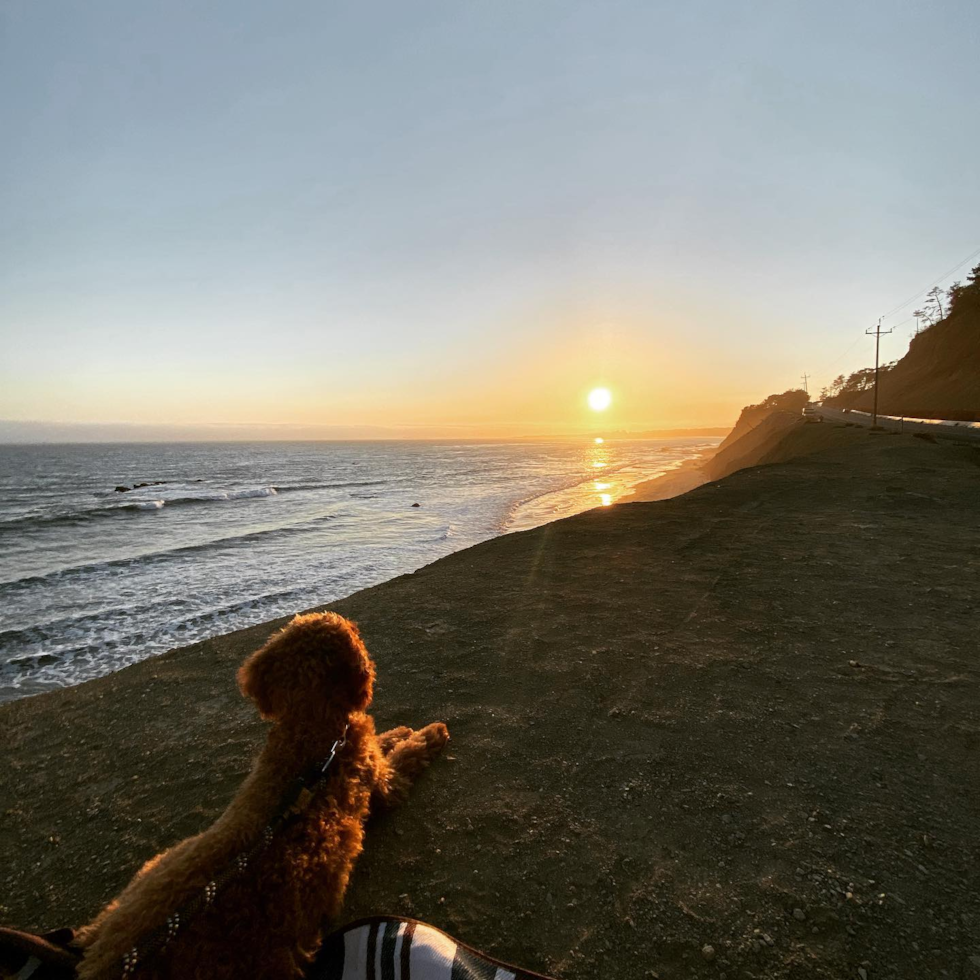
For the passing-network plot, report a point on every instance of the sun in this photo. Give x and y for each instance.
(599, 399)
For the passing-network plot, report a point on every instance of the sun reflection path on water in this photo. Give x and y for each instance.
(600, 456)
(605, 499)
(608, 471)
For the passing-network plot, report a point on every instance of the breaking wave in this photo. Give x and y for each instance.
(130, 506)
(230, 541)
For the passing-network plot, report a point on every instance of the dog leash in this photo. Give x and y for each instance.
(294, 802)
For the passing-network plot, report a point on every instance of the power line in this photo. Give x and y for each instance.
(837, 360)
(945, 275)
(894, 310)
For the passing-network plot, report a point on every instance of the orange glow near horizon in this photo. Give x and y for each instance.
(553, 389)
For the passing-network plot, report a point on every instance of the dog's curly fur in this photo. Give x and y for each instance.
(311, 679)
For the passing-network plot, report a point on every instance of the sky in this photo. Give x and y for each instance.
(460, 217)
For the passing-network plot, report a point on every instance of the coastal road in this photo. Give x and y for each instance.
(960, 431)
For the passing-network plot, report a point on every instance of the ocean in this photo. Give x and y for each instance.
(226, 535)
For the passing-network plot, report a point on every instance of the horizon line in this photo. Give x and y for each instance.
(33, 432)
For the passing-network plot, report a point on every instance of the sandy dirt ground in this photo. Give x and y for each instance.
(730, 734)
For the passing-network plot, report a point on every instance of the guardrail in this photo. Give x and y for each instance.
(905, 418)
(941, 428)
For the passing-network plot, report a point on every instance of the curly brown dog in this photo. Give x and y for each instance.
(311, 680)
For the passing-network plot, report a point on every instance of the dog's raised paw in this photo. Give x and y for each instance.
(436, 735)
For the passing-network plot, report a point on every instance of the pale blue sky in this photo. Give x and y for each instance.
(468, 212)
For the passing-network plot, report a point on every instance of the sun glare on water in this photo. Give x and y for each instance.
(600, 399)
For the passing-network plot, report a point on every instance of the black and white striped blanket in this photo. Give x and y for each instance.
(389, 948)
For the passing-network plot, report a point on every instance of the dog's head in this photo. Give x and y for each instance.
(313, 670)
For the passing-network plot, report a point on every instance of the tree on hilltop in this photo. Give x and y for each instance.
(934, 305)
(789, 401)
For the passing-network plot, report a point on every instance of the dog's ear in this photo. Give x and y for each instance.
(315, 667)
(255, 681)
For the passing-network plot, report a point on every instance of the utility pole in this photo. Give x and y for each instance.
(805, 376)
(877, 335)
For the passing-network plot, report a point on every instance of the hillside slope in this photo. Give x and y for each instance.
(939, 377)
(791, 402)
(749, 448)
